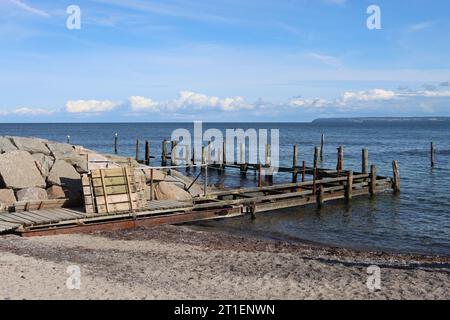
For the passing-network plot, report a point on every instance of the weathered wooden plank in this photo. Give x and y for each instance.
(108, 173)
(113, 190)
(118, 198)
(116, 181)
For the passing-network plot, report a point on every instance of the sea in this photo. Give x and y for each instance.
(416, 221)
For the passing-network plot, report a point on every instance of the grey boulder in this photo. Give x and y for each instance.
(6, 145)
(30, 194)
(18, 170)
(31, 145)
(44, 163)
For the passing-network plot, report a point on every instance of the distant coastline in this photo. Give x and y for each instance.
(381, 119)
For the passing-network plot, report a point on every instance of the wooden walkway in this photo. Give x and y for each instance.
(222, 204)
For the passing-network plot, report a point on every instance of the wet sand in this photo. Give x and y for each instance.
(177, 262)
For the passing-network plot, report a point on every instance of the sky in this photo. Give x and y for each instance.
(222, 60)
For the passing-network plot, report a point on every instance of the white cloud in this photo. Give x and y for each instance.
(30, 9)
(189, 100)
(369, 95)
(317, 103)
(138, 103)
(90, 106)
(25, 111)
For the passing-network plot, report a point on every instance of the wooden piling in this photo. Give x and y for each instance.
(152, 186)
(267, 161)
(314, 181)
(396, 174)
(373, 180)
(173, 154)
(224, 155)
(205, 182)
(137, 149)
(164, 153)
(259, 175)
(316, 157)
(147, 152)
(320, 199)
(208, 158)
(349, 186)
(432, 155)
(295, 164)
(365, 161)
(116, 138)
(303, 171)
(203, 155)
(340, 160)
(322, 143)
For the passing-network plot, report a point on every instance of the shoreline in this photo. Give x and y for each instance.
(177, 262)
(300, 242)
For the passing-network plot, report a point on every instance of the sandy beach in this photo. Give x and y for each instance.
(176, 262)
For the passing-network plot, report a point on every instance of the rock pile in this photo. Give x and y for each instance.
(38, 169)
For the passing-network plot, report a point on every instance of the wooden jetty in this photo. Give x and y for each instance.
(113, 198)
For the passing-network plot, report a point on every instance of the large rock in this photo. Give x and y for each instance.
(158, 175)
(79, 162)
(7, 197)
(64, 174)
(6, 145)
(30, 194)
(44, 163)
(31, 145)
(168, 191)
(18, 170)
(61, 150)
(72, 195)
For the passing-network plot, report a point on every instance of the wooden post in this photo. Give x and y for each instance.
(349, 186)
(303, 171)
(340, 161)
(259, 175)
(252, 209)
(203, 155)
(432, 155)
(115, 142)
(224, 155)
(152, 186)
(320, 197)
(164, 153)
(322, 142)
(295, 165)
(314, 181)
(147, 153)
(208, 158)
(365, 161)
(316, 157)
(137, 149)
(173, 154)
(373, 180)
(205, 183)
(267, 162)
(396, 181)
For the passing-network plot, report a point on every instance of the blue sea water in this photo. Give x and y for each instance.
(417, 220)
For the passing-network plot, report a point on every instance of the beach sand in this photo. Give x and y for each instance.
(176, 262)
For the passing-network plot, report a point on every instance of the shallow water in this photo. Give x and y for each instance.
(417, 220)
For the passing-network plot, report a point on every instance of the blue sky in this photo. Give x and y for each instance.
(222, 60)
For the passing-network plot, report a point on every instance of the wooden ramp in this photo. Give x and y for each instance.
(13, 220)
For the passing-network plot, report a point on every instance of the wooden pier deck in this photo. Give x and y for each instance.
(215, 205)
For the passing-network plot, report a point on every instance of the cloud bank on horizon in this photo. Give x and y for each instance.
(221, 60)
